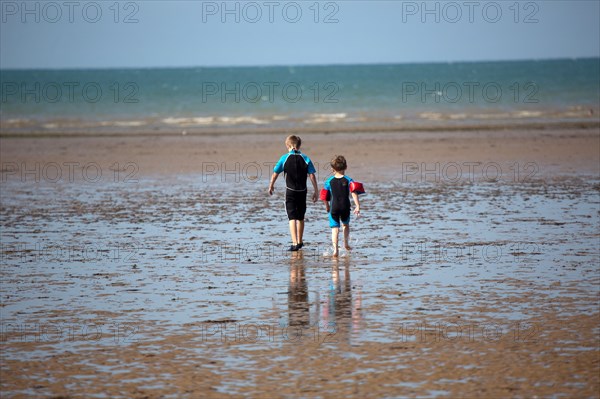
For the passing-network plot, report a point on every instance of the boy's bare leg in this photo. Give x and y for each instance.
(346, 229)
(335, 275)
(293, 231)
(300, 232)
(334, 238)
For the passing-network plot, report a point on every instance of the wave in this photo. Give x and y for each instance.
(214, 121)
(326, 118)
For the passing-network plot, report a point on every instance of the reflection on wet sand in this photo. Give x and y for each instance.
(298, 305)
(342, 310)
(337, 317)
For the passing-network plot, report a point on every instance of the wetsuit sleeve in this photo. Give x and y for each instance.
(311, 168)
(279, 165)
(327, 186)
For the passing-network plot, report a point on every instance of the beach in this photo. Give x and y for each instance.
(152, 265)
(146, 251)
(376, 156)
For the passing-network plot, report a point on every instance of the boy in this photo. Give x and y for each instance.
(296, 167)
(337, 189)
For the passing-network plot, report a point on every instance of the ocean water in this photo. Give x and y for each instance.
(310, 97)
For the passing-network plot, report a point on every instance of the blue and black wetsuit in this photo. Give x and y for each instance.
(296, 167)
(339, 189)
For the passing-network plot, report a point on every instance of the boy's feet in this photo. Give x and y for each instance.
(347, 247)
(300, 245)
(293, 248)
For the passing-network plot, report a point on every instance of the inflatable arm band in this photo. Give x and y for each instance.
(325, 195)
(356, 187)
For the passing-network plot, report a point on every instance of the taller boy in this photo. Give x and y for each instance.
(296, 167)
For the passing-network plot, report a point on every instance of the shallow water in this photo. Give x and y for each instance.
(88, 266)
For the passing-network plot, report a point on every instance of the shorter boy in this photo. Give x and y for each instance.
(337, 191)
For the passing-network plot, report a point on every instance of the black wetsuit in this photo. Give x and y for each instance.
(340, 200)
(296, 167)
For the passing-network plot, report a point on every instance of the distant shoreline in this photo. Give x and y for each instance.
(337, 128)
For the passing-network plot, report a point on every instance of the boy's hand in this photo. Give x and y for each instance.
(357, 211)
(272, 183)
(315, 196)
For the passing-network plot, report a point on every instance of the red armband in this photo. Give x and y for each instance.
(356, 187)
(325, 195)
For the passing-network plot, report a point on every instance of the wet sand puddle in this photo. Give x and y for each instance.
(175, 287)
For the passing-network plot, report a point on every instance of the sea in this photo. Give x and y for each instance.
(430, 96)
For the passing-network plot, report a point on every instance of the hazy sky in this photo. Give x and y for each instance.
(205, 33)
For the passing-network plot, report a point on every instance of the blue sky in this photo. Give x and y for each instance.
(192, 33)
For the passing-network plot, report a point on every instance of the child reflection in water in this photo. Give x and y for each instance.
(298, 306)
(342, 312)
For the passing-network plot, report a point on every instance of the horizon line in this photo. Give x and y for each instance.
(299, 65)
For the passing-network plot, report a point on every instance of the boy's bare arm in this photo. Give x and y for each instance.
(356, 204)
(272, 183)
(313, 180)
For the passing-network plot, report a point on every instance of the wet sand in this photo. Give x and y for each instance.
(474, 271)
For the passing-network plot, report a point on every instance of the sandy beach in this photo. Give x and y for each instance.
(151, 266)
(375, 156)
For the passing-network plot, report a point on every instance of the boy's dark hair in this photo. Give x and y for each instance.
(338, 163)
(294, 141)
